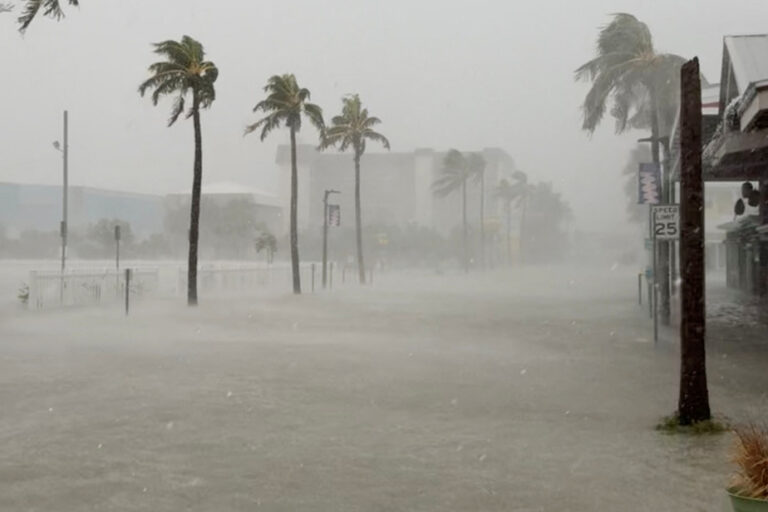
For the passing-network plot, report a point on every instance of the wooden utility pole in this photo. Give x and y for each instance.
(693, 405)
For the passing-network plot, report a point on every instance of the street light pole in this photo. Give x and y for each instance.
(325, 234)
(64, 150)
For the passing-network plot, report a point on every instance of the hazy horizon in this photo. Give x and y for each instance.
(461, 74)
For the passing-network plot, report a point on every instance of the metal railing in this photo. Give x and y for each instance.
(83, 287)
(245, 278)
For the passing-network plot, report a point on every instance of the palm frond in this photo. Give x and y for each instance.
(184, 70)
(50, 8)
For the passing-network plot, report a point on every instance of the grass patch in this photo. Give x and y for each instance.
(671, 425)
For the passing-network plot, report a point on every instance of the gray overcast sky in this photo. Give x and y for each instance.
(440, 73)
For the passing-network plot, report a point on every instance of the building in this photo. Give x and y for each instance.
(396, 187)
(39, 207)
(267, 209)
(737, 154)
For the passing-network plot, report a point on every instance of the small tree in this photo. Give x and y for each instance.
(266, 242)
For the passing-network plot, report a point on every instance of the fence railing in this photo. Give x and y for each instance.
(242, 278)
(82, 287)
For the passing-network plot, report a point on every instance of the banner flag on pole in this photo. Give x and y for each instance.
(334, 215)
(649, 184)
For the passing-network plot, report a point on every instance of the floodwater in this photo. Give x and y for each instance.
(526, 390)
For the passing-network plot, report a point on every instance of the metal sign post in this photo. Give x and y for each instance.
(326, 219)
(665, 226)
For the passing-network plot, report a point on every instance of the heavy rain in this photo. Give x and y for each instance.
(383, 256)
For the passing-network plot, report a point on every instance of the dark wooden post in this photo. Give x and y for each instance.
(693, 405)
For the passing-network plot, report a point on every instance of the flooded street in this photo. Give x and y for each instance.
(526, 390)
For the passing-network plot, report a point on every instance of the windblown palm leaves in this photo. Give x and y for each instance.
(352, 129)
(457, 170)
(285, 105)
(184, 71)
(50, 8)
(628, 72)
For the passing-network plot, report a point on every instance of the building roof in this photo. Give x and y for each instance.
(748, 58)
(235, 189)
(710, 99)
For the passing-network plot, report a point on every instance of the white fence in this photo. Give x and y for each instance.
(248, 278)
(82, 287)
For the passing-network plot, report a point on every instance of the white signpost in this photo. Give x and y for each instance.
(666, 221)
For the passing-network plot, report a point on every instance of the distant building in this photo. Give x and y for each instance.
(268, 209)
(39, 207)
(396, 188)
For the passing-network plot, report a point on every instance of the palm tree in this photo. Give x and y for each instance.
(351, 129)
(266, 241)
(644, 87)
(516, 193)
(454, 176)
(184, 71)
(50, 8)
(286, 103)
(477, 167)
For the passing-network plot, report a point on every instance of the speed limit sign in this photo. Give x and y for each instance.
(666, 221)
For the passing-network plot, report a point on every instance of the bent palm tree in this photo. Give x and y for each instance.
(286, 104)
(476, 164)
(184, 71)
(644, 87)
(454, 175)
(351, 129)
(50, 8)
(506, 193)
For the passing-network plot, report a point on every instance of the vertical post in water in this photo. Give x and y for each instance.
(693, 404)
(655, 291)
(330, 276)
(313, 278)
(640, 289)
(127, 289)
(65, 190)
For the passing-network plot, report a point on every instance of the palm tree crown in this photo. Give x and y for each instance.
(513, 192)
(185, 69)
(457, 169)
(628, 71)
(285, 103)
(50, 8)
(352, 128)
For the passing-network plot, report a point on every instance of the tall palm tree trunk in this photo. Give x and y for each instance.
(294, 219)
(693, 401)
(464, 224)
(194, 220)
(663, 246)
(482, 219)
(522, 229)
(508, 207)
(358, 220)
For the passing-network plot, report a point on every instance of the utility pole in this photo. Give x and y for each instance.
(117, 247)
(64, 150)
(325, 234)
(693, 404)
(663, 250)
